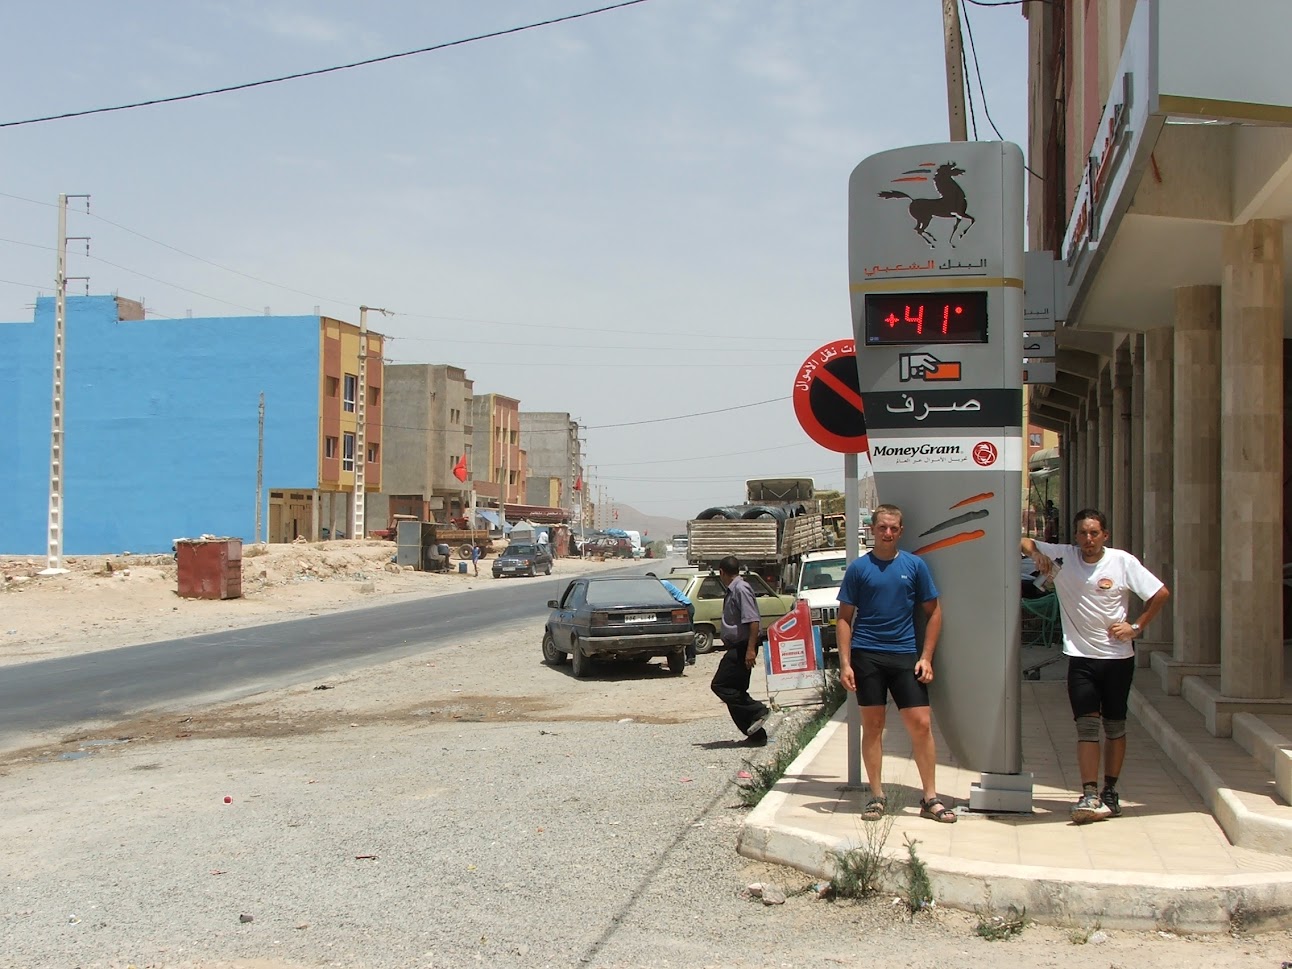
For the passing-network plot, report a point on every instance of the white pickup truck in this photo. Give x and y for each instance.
(818, 577)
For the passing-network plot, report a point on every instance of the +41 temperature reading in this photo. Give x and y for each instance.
(917, 317)
(926, 318)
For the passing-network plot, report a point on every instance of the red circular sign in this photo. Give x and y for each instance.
(984, 453)
(827, 398)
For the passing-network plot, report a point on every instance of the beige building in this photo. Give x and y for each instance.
(1160, 142)
(499, 469)
(428, 431)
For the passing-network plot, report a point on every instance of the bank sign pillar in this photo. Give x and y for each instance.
(935, 259)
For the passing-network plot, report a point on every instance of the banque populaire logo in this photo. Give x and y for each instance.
(950, 202)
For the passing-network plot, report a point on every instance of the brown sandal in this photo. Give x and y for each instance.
(934, 808)
(874, 809)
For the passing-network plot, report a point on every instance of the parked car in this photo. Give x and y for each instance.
(706, 593)
(616, 617)
(522, 560)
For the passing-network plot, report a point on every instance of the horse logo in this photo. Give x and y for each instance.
(951, 202)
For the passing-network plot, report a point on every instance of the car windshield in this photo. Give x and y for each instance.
(521, 550)
(826, 574)
(628, 592)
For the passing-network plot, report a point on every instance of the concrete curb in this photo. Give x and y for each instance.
(1122, 900)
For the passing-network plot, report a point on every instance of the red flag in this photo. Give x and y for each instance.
(578, 483)
(460, 469)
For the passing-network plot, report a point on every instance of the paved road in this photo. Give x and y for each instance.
(111, 684)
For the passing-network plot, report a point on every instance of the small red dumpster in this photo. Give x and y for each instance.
(209, 568)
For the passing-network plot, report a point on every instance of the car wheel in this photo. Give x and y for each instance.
(551, 655)
(582, 662)
(676, 662)
(549, 568)
(532, 573)
(703, 639)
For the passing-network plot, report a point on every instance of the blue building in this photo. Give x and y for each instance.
(161, 425)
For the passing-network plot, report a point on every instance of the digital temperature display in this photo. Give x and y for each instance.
(926, 318)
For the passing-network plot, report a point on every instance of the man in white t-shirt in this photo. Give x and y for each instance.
(1094, 584)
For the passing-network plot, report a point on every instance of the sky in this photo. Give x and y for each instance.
(638, 217)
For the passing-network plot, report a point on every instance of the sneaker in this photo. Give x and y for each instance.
(1090, 808)
(1112, 800)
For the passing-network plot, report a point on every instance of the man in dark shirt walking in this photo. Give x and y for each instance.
(741, 626)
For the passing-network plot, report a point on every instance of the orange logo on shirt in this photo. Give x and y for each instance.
(1105, 584)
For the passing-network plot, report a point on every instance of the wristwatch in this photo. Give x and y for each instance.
(1135, 627)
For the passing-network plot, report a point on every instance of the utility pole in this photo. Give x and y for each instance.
(260, 465)
(955, 74)
(361, 418)
(54, 558)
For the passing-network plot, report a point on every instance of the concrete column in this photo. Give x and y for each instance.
(1136, 543)
(1090, 497)
(1251, 461)
(1091, 477)
(1118, 509)
(1195, 584)
(1104, 490)
(1159, 473)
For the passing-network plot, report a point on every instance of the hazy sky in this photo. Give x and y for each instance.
(635, 215)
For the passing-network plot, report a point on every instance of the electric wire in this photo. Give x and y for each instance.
(683, 417)
(978, 71)
(319, 71)
(973, 114)
(346, 302)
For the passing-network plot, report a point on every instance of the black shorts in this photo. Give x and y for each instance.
(1100, 686)
(878, 674)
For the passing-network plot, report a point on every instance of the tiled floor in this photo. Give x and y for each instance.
(1165, 828)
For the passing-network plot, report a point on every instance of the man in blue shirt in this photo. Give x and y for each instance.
(877, 603)
(681, 598)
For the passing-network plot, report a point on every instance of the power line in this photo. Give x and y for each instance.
(345, 302)
(682, 417)
(973, 114)
(978, 71)
(323, 70)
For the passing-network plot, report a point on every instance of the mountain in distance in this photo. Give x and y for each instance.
(654, 528)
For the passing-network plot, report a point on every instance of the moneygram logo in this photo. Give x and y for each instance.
(917, 450)
(985, 453)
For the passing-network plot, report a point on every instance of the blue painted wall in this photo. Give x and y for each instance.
(161, 425)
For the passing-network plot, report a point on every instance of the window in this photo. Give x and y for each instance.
(351, 389)
(372, 453)
(374, 394)
(1033, 439)
(347, 452)
(455, 416)
(329, 447)
(453, 461)
(332, 385)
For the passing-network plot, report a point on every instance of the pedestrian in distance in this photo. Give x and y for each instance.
(682, 599)
(1094, 583)
(741, 627)
(877, 603)
(475, 558)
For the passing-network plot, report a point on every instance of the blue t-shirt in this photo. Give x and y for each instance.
(885, 594)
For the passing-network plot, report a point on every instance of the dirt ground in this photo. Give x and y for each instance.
(398, 705)
(105, 601)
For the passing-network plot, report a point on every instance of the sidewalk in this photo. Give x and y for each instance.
(1164, 864)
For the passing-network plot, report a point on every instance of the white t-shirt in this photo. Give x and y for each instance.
(1093, 596)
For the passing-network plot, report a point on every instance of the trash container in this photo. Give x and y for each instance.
(462, 568)
(209, 568)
